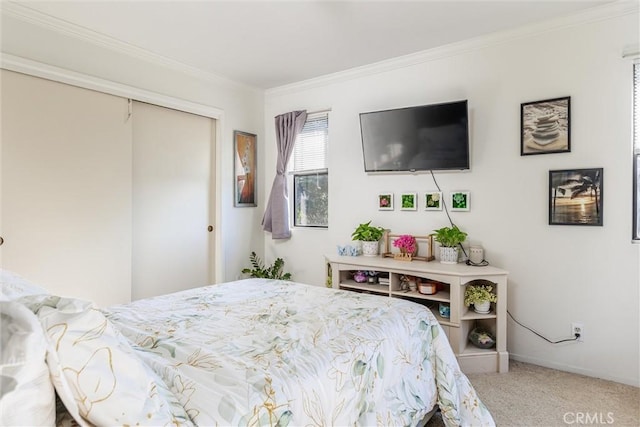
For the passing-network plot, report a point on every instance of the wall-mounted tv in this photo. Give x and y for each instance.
(427, 137)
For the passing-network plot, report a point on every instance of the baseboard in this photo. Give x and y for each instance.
(573, 369)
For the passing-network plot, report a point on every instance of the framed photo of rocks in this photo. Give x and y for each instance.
(545, 126)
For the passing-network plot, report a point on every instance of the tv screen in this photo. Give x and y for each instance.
(427, 137)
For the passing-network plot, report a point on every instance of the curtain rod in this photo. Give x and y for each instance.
(631, 52)
(326, 110)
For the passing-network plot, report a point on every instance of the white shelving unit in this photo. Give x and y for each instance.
(453, 279)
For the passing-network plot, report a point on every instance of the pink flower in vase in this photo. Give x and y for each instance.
(406, 243)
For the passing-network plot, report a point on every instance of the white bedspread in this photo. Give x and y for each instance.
(264, 352)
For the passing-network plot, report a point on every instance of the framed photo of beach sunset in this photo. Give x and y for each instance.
(575, 197)
(545, 126)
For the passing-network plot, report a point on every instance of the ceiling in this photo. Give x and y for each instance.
(266, 44)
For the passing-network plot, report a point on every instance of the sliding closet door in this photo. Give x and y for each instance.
(172, 200)
(66, 188)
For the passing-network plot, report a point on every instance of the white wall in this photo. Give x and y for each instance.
(27, 34)
(558, 274)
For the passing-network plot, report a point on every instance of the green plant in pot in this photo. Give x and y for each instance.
(370, 236)
(274, 271)
(449, 239)
(481, 296)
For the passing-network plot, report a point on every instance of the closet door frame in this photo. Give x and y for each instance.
(37, 69)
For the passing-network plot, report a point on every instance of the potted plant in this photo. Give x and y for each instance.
(449, 239)
(481, 296)
(259, 270)
(370, 236)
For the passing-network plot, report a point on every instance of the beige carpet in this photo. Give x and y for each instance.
(532, 396)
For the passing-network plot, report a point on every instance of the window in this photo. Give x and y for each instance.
(310, 174)
(636, 151)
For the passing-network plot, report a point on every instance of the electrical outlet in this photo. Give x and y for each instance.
(577, 328)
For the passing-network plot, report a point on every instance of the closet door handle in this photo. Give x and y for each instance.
(209, 229)
(1, 240)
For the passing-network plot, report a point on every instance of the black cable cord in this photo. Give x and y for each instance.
(546, 339)
(482, 263)
(444, 204)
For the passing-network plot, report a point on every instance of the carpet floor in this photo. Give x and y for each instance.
(532, 396)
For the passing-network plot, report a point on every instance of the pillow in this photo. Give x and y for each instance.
(14, 286)
(96, 372)
(26, 392)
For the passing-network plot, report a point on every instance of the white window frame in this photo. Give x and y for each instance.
(293, 173)
(636, 152)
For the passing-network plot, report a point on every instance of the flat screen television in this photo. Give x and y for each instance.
(422, 138)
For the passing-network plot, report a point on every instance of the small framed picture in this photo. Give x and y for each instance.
(245, 169)
(545, 126)
(575, 197)
(433, 201)
(460, 201)
(409, 201)
(385, 201)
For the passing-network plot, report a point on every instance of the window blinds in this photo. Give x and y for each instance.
(636, 107)
(636, 151)
(310, 151)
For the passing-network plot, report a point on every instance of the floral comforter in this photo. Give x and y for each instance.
(266, 352)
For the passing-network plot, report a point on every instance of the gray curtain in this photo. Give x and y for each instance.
(276, 215)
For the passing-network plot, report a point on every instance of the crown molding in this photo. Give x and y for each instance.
(50, 72)
(610, 10)
(26, 14)
(600, 13)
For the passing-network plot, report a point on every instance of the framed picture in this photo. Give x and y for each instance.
(460, 201)
(244, 169)
(545, 126)
(385, 201)
(433, 201)
(575, 197)
(409, 201)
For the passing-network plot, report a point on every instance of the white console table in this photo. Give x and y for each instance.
(453, 279)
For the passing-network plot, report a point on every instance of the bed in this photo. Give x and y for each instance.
(251, 352)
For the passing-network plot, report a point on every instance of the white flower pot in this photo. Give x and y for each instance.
(483, 307)
(370, 248)
(448, 255)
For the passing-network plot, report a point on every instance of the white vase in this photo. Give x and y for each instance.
(449, 255)
(370, 248)
(483, 307)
